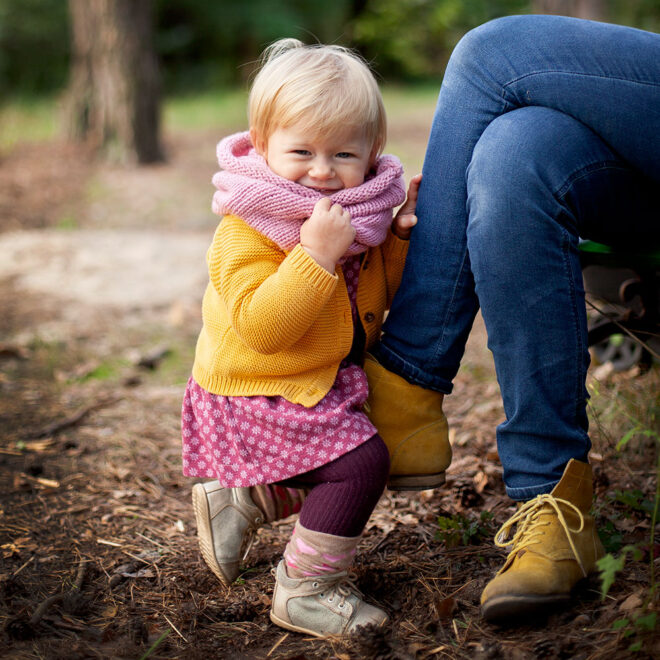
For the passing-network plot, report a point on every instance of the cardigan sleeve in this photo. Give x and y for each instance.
(272, 298)
(394, 250)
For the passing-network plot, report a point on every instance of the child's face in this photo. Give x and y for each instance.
(327, 164)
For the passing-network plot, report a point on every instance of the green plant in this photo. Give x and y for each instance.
(156, 644)
(458, 530)
(644, 621)
(637, 627)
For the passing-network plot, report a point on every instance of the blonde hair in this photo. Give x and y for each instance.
(322, 88)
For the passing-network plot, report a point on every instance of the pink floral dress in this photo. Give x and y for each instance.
(245, 441)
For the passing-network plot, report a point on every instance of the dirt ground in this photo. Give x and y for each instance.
(101, 276)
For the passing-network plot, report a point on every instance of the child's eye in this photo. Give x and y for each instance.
(301, 152)
(345, 154)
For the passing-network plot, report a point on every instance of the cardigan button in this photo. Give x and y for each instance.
(369, 317)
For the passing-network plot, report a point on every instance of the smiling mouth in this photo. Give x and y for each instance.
(325, 191)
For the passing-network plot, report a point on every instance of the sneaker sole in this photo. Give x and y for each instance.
(289, 626)
(509, 608)
(415, 481)
(204, 533)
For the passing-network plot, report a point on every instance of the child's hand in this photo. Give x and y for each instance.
(405, 218)
(327, 234)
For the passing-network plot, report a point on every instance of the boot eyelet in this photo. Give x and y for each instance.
(341, 606)
(315, 584)
(331, 599)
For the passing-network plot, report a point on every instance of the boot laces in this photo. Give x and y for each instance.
(529, 523)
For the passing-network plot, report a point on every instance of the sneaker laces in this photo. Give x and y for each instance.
(344, 586)
(528, 521)
(248, 541)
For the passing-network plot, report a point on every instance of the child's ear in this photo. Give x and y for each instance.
(258, 143)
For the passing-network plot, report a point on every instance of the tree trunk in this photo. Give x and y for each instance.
(114, 89)
(591, 9)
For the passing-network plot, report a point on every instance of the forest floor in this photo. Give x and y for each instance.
(101, 276)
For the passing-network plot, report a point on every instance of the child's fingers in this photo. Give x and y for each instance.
(324, 204)
(413, 191)
(410, 204)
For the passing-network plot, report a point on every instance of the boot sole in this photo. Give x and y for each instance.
(415, 481)
(510, 609)
(204, 533)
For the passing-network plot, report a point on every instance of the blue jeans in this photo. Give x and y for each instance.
(547, 129)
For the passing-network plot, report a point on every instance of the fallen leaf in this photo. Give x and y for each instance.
(631, 603)
(480, 482)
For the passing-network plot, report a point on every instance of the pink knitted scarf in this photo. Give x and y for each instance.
(277, 207)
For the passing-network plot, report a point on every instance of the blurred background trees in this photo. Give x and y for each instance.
(113, 96)
(202, 45)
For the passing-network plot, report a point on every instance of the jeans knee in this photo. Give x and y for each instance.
(523, 154)
(478, 44)
(516, 169)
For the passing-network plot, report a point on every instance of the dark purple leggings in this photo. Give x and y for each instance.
(345, 491)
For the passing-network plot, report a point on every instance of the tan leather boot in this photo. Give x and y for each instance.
(410, 420)
(554, 547)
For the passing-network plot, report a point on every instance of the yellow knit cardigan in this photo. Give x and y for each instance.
(277, 323)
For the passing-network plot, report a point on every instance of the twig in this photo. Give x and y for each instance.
(43, 608)
(279, 641)
(624, 329)
(140, 559)
(111, 543)
(56, 598)
(160, 545)
(175, 629)
(18, 570)
(56, 427)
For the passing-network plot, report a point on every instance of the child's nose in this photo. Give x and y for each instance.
(321, 169)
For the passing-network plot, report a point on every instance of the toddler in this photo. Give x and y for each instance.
(302, 267)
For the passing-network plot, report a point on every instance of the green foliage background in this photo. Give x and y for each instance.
(204, 43)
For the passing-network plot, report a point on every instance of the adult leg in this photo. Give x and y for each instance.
(605, 76)
(539, 180)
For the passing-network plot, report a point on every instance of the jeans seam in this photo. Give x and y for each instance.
(650, 83)
(522, 493)
(566, 246)
(585, 171)
(450, 307)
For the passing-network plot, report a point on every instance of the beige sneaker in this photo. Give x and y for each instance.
(321, 605)
(226, 521)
